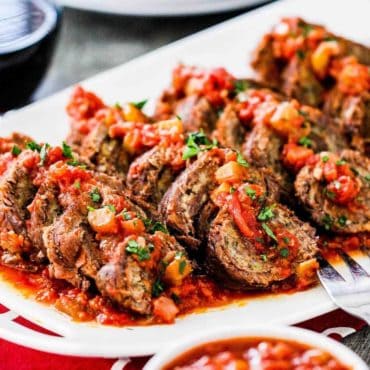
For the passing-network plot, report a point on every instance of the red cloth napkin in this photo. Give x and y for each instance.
(337, 324)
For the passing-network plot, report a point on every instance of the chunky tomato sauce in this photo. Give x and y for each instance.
(196, 294)
(264, 353)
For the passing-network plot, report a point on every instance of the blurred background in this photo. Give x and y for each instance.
(46, 47)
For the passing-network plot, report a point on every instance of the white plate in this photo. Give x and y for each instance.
(160, 7)
(228, 44)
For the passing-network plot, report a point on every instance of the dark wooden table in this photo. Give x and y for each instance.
(90, 43)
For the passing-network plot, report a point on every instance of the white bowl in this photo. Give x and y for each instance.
(310, 338)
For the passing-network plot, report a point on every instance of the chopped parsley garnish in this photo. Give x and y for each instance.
(33, 146)
(355, 172)
(77, 184)
(67, 150)
(327, 221)
(240, 159)
(303, 113)
(16, 150)
(340, 162)
(284, 252)
(140, 105)
(118, 106)
(152, 226)
(342, 221)
(178, 117)
(126, 215)
(175, 298)
(44, 153)
(268, 231)
(263, 257)
(305, 141)
(182, 266)
(325, 158)
(329, 194)
(266, 213)
(367, 177)
(75, 163)
(306, 28)
(95, 195)
(286, 240)
(90, 209)
(300, 54)
(111, 207)
(194, 142)
(157, 288)
(329, 38)
(240, 86)
(250, 192)
(142, 253)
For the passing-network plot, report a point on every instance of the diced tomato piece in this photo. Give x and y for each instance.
(245, 220)
(83, 104)
(320, 58)
(295, 156)
(133, 114)
(230, 172)
(345, 189)
(11, 241)
(177, 270)
(165, 309)
(103, 220)
(134, 226)
(220, 194)
(132, 141)
(217, 85)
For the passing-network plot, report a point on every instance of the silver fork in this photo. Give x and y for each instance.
(350, 294)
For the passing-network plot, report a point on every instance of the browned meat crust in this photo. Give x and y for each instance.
(187, 196)
(236, 262)
(16, 193)
(124, 280)
(150, 175)
(353, 117)
(106, 154)
(328, 214)
(263, 148)
(230, 132)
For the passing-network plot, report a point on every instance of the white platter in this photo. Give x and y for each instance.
(155, 8)
(228, 44)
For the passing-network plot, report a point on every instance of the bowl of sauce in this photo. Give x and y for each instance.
(28, 30)
(257, 348)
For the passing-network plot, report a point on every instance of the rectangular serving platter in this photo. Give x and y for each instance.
(230, 45)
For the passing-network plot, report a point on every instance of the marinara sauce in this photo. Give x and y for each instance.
(255, 353)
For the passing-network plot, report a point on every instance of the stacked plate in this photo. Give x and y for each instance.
(160, 7)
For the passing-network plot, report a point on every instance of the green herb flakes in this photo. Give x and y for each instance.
(284, 252)
(16, 150)
(140, 105)
(266, 213)
(67, 150)
(305, 141)
(250, 192)
(241, 160)
(95, 195)
(268, 231)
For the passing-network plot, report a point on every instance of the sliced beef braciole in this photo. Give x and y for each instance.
(188, 194)
(229, 131)
(151, 174)
(130, 279)
(187, 207)
(335, 190)
(242, 263)
(16, 193)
